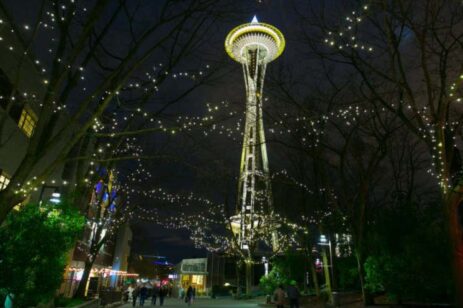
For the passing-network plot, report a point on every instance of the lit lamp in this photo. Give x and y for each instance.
(55, 198)
(265, 261)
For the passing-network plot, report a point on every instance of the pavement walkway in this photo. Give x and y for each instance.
(229, 302)
(205, 302)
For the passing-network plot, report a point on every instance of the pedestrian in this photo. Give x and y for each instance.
(155, 294)
(162, 294)
(130, 291)
(143, 293)
(135, 293)
(125, 295)
(293, 294)
(189, 296)
(279, 296)
(9, 301)
(194, 293)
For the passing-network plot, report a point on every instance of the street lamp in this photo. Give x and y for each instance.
(55, 196)
(265, 261)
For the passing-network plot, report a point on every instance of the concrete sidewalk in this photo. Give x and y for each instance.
(205, 302)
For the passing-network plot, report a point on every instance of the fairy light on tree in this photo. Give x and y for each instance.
(84, 79)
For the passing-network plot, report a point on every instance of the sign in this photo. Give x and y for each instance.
(194, 266)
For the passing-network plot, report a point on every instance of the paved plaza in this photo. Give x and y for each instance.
(206, 302)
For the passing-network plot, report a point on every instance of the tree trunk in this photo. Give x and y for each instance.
(249, 278)
(454, 210)
(7, 201)
(314, 277)
(358, 243)
(326, 271)
(367, 300)
(238, 280)
(80, 293)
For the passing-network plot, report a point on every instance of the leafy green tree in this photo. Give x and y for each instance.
(34, 243)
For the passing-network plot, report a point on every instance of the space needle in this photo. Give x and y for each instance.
(254, 45)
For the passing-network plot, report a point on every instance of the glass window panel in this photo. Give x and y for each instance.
(27, 121)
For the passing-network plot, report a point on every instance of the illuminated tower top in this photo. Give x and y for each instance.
(265, 38)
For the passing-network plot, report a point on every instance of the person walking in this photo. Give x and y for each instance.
(9, 301)
(293, 294)
(279, 296)
(189, 296)
(162, 295)
(155, 294)
(130, 292)
(143, 293)
(135, 293)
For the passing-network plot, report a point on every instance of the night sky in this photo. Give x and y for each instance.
(155, 240)
(207, 155)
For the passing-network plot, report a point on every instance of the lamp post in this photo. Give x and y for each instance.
(325, 242)
(329, 275)
(265, 261)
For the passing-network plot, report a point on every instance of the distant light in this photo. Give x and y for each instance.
(55, 197)
(226, 284)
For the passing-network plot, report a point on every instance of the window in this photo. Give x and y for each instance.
(197, 279)
(4, 180)
(27, 121)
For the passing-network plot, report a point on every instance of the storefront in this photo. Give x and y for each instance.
(193, 272)
(100, 278)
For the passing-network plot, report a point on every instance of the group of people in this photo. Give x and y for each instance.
(291, 292)
(144, 291)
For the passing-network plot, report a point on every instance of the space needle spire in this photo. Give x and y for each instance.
(254, 45)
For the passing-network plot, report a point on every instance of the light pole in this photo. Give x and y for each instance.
(325, 242)
(329, 275)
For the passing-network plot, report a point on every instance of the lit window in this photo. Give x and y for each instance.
(197, 279)
(4, 180)
(27, 121)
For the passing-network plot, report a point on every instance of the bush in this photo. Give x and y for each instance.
(221, 290)
(346, 272)
(275, 277)
(67, 302)
(409, 261)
